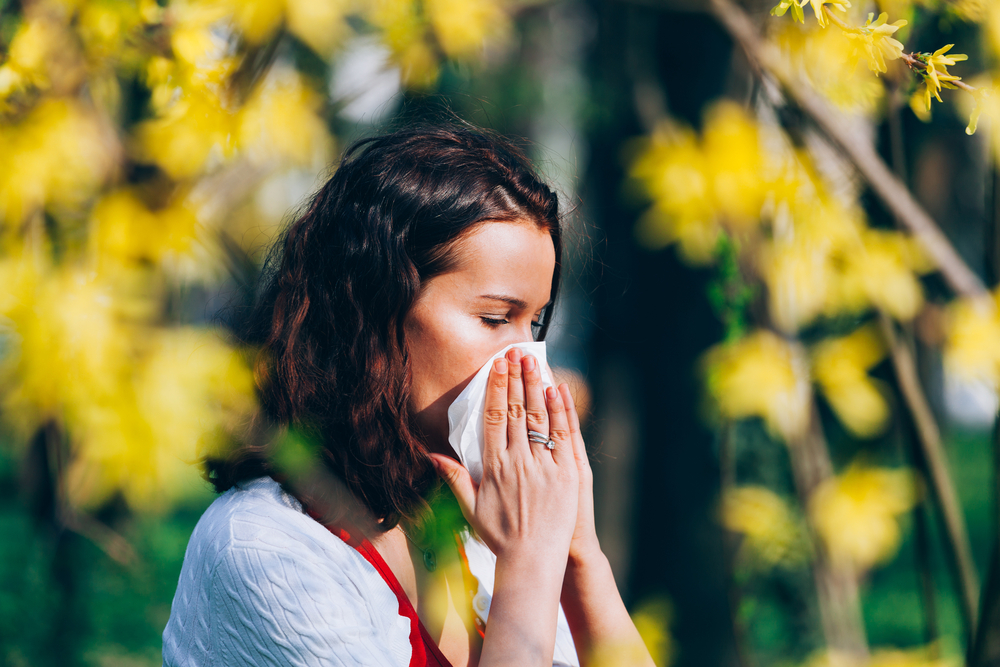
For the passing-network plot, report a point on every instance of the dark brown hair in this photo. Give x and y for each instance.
(336, 288)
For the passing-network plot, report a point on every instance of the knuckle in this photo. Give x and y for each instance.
(498, 381)
(515, 411)
(495, 416)
(559, 434)
(537, 416)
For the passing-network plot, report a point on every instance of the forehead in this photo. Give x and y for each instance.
(513, 258)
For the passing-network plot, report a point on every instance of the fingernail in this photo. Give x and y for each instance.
(514, 355)
(550, 393)
(500, 366)
(529, 363)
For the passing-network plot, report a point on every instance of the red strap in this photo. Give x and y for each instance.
(425, 652)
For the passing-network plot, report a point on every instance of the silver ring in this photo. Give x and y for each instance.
(538, 438)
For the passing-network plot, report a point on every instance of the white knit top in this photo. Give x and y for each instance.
(265, 584)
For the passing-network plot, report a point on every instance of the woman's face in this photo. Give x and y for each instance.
(501, 282)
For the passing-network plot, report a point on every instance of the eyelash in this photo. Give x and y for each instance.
(493, 323)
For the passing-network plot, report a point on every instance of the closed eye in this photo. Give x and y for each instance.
(495, 322)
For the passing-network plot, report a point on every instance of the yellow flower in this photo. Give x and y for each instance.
(798, 277)
(937, 67)
(318, 23)
(672, 169)
(57, 156)
(817, 5)
(920, 102)
(190, 135)
(802, 265)
(764, 376)
(831, 63)
(855, 514)
(877, 41)
(972, 349)
(785, 5)
(881, 272)
(982, 97)
(772, 535)
(840, 367)
(127, 230)
(106, 27)
(992, 26)
(280, 122)
(733, 161)
(188, 389)
(43, 54)
(463, 26)
(699, 187)
(71, 343)
(404, 31)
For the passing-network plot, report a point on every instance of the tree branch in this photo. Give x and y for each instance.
(936, 464)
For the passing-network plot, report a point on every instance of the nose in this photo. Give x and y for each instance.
(522, 334)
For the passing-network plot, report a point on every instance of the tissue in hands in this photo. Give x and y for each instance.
(465, 415)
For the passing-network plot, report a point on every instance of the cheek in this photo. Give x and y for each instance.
(445, 352)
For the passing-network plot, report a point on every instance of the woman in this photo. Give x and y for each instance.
(427, 252)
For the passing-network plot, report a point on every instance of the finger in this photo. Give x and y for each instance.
(536, 411)
(458, 480)
(573, 419)
(559, 431)
(517, 431)
(495, 411)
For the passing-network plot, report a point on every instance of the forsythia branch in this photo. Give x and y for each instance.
(869, 164)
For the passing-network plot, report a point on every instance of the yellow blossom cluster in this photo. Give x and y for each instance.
(815, 254)
(140, 403)
(318, 23)
(830, 64)
(856, 514)
(972, 349)
(935, 75)
(455, 28)
(763, 376)
(840, 366)
(875, 41)
(108, 196)
(700, 187)
(769, 377)
(772, 535)
(59, 154)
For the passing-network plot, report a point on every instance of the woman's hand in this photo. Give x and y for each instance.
(584, 544)
(526, 502)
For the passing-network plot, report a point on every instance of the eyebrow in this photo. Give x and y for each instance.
(512, 300)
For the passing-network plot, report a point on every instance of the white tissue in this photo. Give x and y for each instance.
(465, 415)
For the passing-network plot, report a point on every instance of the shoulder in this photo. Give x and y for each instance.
(262, 578)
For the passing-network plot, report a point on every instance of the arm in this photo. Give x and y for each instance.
(597, 617)
(524, 509)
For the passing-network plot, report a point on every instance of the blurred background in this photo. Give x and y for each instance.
(783, 236)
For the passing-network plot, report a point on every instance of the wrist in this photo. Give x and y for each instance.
(586, 554)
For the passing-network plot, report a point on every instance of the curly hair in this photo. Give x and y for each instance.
(339, 282)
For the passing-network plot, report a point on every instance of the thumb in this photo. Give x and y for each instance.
(457, 478)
